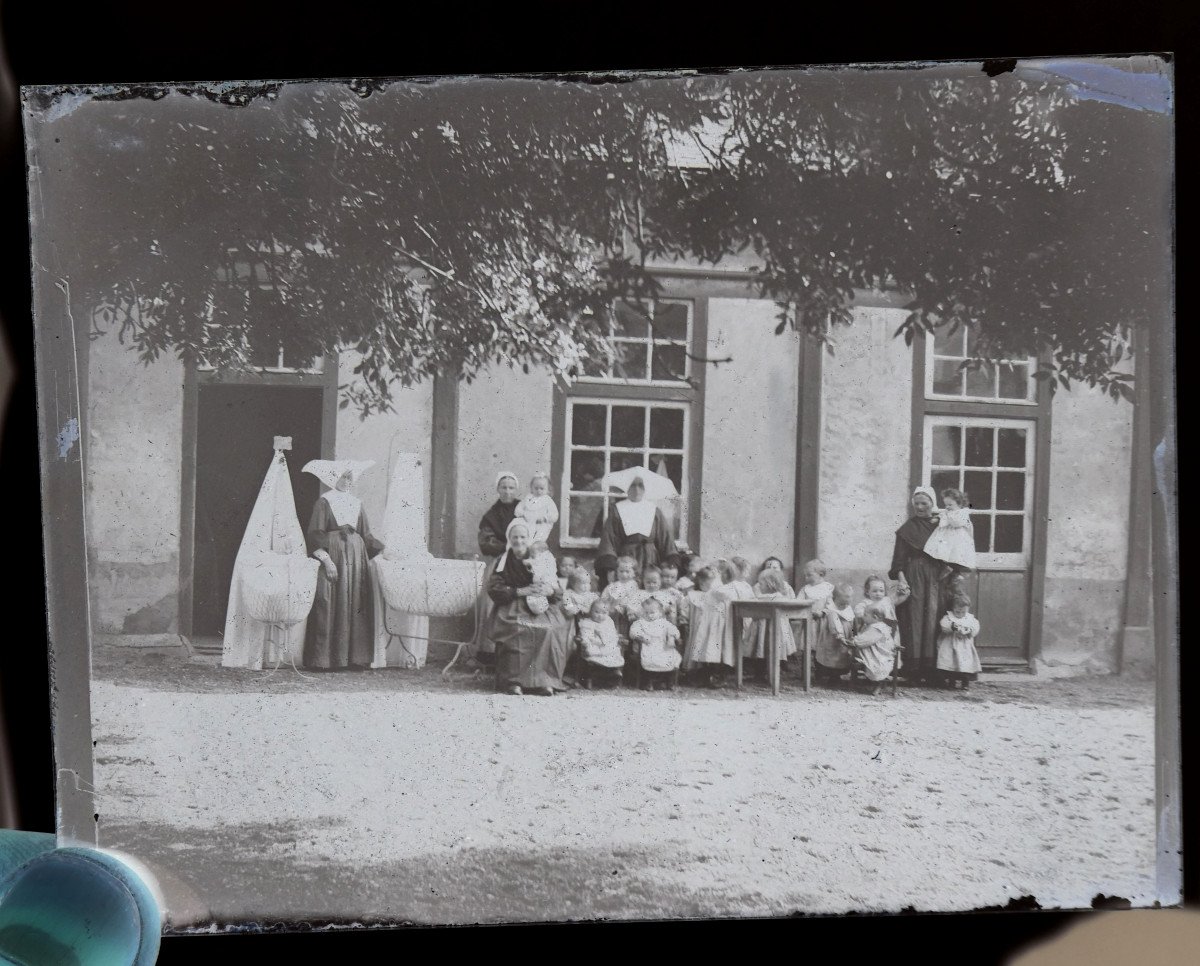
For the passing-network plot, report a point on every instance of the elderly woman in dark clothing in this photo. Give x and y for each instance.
(919, 576)
(492, 530)
(531, 649)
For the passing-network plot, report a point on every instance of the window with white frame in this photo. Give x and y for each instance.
(991, 461)
(607, 435)
(945, 378)
(650, 342)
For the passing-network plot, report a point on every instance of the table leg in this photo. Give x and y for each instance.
(808, 658)
(773, 649)
(737, 651)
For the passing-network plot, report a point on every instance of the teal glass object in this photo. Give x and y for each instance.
(72, 906)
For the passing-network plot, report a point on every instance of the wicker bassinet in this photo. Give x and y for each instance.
(432, 588)
(278, 588)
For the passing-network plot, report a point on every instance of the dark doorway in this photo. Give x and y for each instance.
(235, 429)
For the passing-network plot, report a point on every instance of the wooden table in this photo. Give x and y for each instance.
(771, 610)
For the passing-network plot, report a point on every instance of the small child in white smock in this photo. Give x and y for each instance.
(538, 509)
(656, 638)
(953, 542)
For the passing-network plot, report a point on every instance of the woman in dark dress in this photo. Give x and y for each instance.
(920, 575)
(531, 649)
(340, 631)
(635, 528)
(492, 530)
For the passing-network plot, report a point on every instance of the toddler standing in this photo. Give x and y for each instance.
(655, 637)
(537, 508)
(818, 590)
(599, 647)
(957, 658)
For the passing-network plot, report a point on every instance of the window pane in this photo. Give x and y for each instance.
(979, 445)
(584, 516)
(632, 360)
(1011, 447)
(630, 320)
(1014, 381)
(1010, 491)
(669, 363)
(972, 341)
(945, 344)
(666, 428)
(978, 487)
(983, 532)
(1010, 534)
(670, 466)
(981, 382)
(587, 425)
(947, 379)
(670, 320)
(942, 479)
(586, 470)
(672, 509)
(624, 460)
(629, 426)
(947, 446)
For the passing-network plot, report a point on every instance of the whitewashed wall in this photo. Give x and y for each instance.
(133, 458)
(748, 496)
(866, 410)
(504, 423)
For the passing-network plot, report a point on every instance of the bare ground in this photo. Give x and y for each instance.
(397, 796)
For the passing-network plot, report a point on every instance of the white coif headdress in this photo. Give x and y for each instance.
(330, 471)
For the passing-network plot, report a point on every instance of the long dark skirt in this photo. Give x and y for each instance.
(340, 629)
(482, 648)
(531, 649)
(919, 615)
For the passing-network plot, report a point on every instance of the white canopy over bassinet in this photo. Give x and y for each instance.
(274, 579)
(410, 584)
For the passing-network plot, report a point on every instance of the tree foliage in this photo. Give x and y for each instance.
(446, 226)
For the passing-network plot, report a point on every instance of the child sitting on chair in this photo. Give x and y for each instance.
(598, 646)
(874, 647)
(545, 571)
(655, 638)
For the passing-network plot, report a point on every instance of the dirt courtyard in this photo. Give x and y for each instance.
(396, 796)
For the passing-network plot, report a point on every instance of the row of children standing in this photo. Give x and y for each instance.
(677, 615)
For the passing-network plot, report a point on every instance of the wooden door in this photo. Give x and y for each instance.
(992, 461)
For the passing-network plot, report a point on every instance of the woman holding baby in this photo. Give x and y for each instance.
(530, 632)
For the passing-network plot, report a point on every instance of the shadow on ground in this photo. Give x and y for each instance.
(466, 886)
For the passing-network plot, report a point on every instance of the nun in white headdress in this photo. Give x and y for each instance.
(341, 624)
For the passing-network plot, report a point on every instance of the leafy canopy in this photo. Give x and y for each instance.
(449, 225)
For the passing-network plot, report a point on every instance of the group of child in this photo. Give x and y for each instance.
(654, 624)
(676, 614)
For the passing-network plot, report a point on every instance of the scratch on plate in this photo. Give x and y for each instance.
(67, 437)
